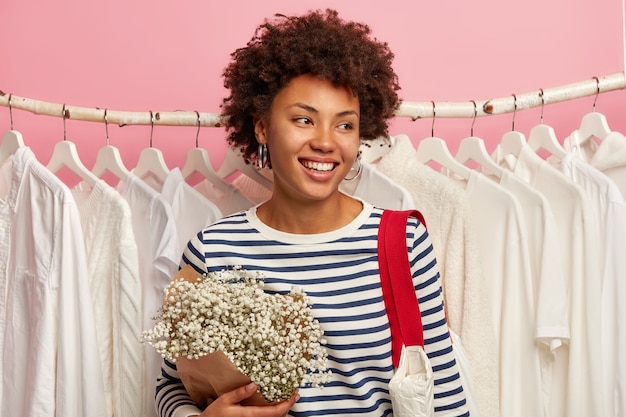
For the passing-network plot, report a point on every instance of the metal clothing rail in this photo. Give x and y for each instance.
(413, 110)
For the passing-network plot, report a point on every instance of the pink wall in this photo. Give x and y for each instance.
(161, 55)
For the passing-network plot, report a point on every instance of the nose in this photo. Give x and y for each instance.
(324, 140)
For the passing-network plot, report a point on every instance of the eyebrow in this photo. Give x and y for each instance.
(314, 110)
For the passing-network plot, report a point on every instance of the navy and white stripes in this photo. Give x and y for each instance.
(339, 272)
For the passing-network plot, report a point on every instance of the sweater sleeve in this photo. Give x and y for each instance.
(171, 397)
(450, 397)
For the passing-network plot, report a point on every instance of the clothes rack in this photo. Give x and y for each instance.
(413, 110)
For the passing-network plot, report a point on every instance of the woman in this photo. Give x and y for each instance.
(303, 93)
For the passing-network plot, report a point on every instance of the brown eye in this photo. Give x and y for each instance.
(303, 120)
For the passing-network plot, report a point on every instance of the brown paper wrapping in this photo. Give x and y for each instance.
(210, 376)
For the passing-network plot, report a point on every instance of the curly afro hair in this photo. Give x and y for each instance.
(319, 43)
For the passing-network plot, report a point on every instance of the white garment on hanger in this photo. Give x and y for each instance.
(231, 202)
(376, 188)
(155, 231)
(544, 247)
(608, 156)
(191, 210)
(113, 265)
(225, 195)
(609, 210)
(575, 390)
(503, 246)
(50, 361)
(252, 189)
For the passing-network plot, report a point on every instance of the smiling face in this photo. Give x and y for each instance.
(312, 134)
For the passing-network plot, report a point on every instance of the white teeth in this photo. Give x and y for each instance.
(319, 166)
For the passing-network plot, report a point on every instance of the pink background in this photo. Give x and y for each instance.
(142, 55)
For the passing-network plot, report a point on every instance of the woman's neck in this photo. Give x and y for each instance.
(309, 217)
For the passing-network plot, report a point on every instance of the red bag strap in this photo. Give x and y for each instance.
(405, 319)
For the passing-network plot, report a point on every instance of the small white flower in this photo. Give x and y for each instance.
(273, 339)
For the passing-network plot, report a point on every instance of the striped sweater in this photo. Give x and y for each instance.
(339, 272)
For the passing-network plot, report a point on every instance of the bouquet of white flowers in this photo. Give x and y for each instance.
(224, 331)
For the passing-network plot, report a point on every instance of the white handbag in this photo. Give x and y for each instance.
(412, 388)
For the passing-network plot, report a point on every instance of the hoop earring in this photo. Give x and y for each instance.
(261, 156)
(358, 170)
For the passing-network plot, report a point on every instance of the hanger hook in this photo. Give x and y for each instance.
(542, 104)
(432, 126)
(474, 119)
(198, 132)
(10, 110)
(514, 111)
(106, 126)
(151, 126)
(597, 92)
(64, 115)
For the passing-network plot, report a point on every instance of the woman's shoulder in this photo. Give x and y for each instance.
(230, 221)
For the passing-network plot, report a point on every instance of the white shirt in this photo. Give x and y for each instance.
(609, 156)
(376, 188)
(113, 266)
(549, 289)
(159, 254)
(506, 266)
(229, 201)
(191, 210)
(576, 383)
(610, 212)
(50, 359)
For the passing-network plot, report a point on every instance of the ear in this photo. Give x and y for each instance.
(260, 130)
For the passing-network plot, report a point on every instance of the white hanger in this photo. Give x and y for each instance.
(65, 154)
(593, 124)
(542, 136)
(234, 161)
(435, 149)
(109, 159)
(198, 161)
(151, 160)
(512, 142)
(11, 140)
(473, 148)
